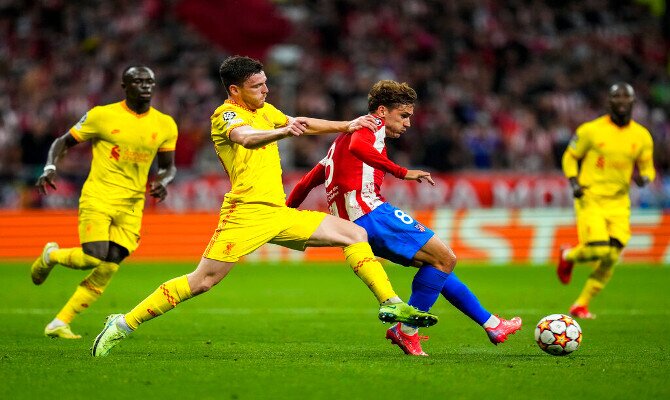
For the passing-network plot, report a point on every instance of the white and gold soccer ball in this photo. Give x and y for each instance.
(558, 334)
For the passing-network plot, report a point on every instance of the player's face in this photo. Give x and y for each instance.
(253, 91)
(139, 84)
(621, 100)
(397, 120)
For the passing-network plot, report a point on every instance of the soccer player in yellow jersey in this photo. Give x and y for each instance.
(245, 131)
(599, 163)
(126, 137)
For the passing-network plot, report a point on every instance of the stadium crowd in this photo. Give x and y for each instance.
(501, 85)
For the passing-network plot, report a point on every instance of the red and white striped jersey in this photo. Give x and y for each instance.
(353, 172)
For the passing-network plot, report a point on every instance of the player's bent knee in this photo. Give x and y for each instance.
(447, 262)
(355, 234)
(600, 252)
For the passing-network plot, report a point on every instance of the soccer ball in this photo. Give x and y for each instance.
(558, 334)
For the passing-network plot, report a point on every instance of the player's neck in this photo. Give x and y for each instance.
(619, 120)
(240, 103)
(138, 107)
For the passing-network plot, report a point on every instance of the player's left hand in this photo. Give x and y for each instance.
(641, 181)
(365, 121)
(418, 175)
(157, 190)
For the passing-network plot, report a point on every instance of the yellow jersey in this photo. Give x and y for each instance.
(608, 154)
(124, 146)
(255, 174)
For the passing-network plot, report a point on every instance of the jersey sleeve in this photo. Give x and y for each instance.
(580, 142)
(645, 161)
(312, 179)
(278, 118)
(170, 142)
(226, 121)
(362, 147)
(87, 128)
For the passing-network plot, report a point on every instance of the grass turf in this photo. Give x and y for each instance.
(310, 332)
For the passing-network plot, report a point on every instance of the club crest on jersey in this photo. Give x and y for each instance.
(378, 121)
(420, 227)
(115, 154)
(229, 116)
(81, 122)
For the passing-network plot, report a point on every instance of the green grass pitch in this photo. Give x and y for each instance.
(301, 331)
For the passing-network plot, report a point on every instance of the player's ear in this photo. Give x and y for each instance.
(233, 89)
(381, 111)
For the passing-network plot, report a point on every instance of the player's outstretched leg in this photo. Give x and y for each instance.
(403, 312)
(42, 266)
(499, 333)
(410, 344)
(111, 335)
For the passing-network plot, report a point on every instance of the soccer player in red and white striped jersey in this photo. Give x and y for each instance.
(353, 172)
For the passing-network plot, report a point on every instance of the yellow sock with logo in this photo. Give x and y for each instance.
(74, 258)
(162, 300)
(88, 291)
(365, 265)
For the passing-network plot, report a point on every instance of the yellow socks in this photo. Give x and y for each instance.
(591, 290)
(365, 265)
(88, 291)
(74, 258)
(600, 276)
(162, 300)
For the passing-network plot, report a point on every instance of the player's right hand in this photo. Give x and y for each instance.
(47, 178)
(577, 190)
(296, 127)
(418, 175)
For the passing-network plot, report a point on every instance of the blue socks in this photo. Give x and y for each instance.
(462, 298)
(426, 287)
(430, 281)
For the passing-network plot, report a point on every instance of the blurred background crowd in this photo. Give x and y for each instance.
(501, 84)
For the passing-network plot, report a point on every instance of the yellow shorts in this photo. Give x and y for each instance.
(602, 218)
(245, 227)
(100, 222)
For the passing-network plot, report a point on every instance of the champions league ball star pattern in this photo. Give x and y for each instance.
(558, 334)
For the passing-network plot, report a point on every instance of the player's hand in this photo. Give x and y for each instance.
(365, 121)
(157, 190)
(577, 189)
(419, 176)
(641, 181)
(47, 178)
(296, 127)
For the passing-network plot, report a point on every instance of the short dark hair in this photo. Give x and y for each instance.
(128, 68)
(390, 94)
(237, 69)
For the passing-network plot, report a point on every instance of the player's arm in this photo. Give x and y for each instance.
(317, 126)
(252, 138)
(312, 179)
(570, 162)
(57, 150)
(645, 166)
(362, 147)
(165, 175)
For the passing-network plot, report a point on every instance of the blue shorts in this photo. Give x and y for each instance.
(393, 234)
